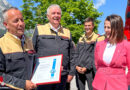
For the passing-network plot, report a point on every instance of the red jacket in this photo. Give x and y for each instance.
(112, 76)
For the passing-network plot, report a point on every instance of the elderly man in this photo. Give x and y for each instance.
(16, 52)
(53, 39)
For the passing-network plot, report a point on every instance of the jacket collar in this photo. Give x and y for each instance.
(90, 36)
(116, 53)
(55, 29)
(60, 28)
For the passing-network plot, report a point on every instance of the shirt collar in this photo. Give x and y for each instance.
(54, 29)
(90, 35)
(23, 37)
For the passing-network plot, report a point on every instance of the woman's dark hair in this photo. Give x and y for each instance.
(117, 34)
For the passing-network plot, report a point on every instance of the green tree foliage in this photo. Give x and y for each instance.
(74, 13)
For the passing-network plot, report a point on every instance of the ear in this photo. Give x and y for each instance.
(93, 26)
(47, 16)
(5, 24)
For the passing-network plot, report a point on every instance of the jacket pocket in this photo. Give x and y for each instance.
(15, 63)
(64, 43)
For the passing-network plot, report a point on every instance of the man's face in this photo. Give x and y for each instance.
(54, 16)
(15, 23)
(88, 26)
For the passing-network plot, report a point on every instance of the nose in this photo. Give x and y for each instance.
(56, 15)
(106, 29)
(86, 27)
(21, 22)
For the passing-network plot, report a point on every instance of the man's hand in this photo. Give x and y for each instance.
(30, 85)
(69, 78)
(84, 70)
(81, 70)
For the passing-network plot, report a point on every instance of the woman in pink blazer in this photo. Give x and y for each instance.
(112, 56)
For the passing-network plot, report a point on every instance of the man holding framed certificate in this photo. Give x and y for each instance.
(52, 39)
(16, 53)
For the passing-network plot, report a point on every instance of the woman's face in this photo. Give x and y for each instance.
(107, 28)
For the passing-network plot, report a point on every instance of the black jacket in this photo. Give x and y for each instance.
(85, 55)
(16, 63)
(48, 42)
(85, 52)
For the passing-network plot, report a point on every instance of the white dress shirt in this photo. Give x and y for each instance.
(54, 29)
(108, 53)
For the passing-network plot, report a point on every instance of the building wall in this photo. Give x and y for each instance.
(3, 5)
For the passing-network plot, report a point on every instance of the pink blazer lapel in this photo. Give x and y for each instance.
(102, 51)
(116, 53)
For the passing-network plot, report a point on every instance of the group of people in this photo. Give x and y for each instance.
(99, 60)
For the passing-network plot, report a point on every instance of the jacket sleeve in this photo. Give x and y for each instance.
(95, 55)
(34, 39)
(8, 79)
(89, 64)
(72, 60)
(76, 55)
(128, 61)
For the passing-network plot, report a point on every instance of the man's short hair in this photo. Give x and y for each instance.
(53, 5)
(4, 13)
(89, 20)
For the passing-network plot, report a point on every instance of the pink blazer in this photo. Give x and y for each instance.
(112, 76)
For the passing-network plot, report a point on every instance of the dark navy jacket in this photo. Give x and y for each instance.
(16, 62)
(48, 42)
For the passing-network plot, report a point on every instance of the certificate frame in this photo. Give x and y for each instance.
(56, 69)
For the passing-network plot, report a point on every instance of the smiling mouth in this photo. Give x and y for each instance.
(87, 29)
(21, 29)
(56, 18)
(107, 33)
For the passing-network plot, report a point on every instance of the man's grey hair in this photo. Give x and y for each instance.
(51, 6)
(4, 13)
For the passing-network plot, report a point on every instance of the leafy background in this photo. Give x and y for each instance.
(74, 12)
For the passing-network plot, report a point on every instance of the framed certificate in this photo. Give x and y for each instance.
(47, 70)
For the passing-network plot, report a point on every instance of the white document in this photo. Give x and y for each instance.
(47, 70)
